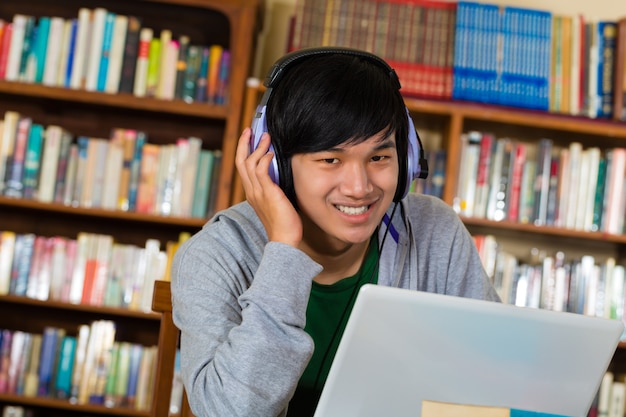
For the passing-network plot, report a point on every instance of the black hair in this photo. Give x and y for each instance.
(328, 100)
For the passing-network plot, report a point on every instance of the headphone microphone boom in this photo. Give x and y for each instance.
(417, 166)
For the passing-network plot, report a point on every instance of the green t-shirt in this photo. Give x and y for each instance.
(328, 305)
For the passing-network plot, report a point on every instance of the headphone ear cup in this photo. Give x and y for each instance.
(417, 166)
(259, 126)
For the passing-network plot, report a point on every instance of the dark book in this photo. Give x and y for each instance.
(619, 84)
(181, 66)
(129, 61)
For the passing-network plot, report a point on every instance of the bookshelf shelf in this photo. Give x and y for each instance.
(530, 229)
(64, 408)
(98, 213)
(227, 23)
(45, 305)
(120, 101)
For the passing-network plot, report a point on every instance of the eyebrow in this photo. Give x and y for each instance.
(383, 144)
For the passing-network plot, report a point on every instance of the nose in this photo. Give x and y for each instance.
(355, 181)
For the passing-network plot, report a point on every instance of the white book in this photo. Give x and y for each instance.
(15, 48)
(94, 51)
(53, 51)
(7, 142)
(83, 39)
(616, 310)
(575, 160)
(188, 179)
(116, 55)
(112, 172)
(64, 53)
(58, 263)
(141, 67)
(614, 192)
(618, 399)
(594, 155)
(49, 163)
(156, 260)
(167, 83)
(7, 249)
(83, 242)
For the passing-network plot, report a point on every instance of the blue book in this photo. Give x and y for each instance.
(70, 53)
(47, 360)
(201, 80)
(14, 185)
(606, 34)
(462, 41)
(133, 373)
(135, 171)
(40, 47)
(65, 368)
(22, 255)
(107, 37)
(32, 161)
(223, 78)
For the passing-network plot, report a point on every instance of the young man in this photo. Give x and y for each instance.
(263, 292)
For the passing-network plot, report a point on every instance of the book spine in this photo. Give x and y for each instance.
(129, 60)
(53, 51)
(105, 54)
(141, 68)
(15, 48)
(63, 382)
(79, 55)
(94, 50)
(120, 29)
(14, 185)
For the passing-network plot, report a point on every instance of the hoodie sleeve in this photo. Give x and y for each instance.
(243, 347)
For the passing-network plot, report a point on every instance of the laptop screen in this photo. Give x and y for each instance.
(401, 347)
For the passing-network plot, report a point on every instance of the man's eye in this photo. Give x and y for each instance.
(378, 158)
(330, 160)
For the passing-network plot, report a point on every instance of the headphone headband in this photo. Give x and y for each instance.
(275, 73)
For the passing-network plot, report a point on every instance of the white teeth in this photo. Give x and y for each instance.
(352, 210)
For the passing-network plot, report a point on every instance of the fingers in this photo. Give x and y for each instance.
(253, 167)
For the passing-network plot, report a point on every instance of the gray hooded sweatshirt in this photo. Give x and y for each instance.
(240, 301)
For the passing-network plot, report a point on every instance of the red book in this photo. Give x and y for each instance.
(5, 43)
(518, 157)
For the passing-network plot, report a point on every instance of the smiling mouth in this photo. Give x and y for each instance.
(353, 211)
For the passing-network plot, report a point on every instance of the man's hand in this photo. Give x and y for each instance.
(282, 222)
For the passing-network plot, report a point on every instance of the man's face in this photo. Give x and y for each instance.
(344, 192)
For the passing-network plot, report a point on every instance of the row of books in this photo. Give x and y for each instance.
(611, 398)
(92, 269)
(89, 367)
(123, 172)
(16, 411)
(582, 285)
(541, 183)
(100, 50)
(513, 56)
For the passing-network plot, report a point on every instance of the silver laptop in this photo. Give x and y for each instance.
(401, 347)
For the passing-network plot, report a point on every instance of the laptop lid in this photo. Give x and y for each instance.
(401, 347)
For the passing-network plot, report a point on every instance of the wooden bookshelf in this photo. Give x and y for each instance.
(230, 23)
